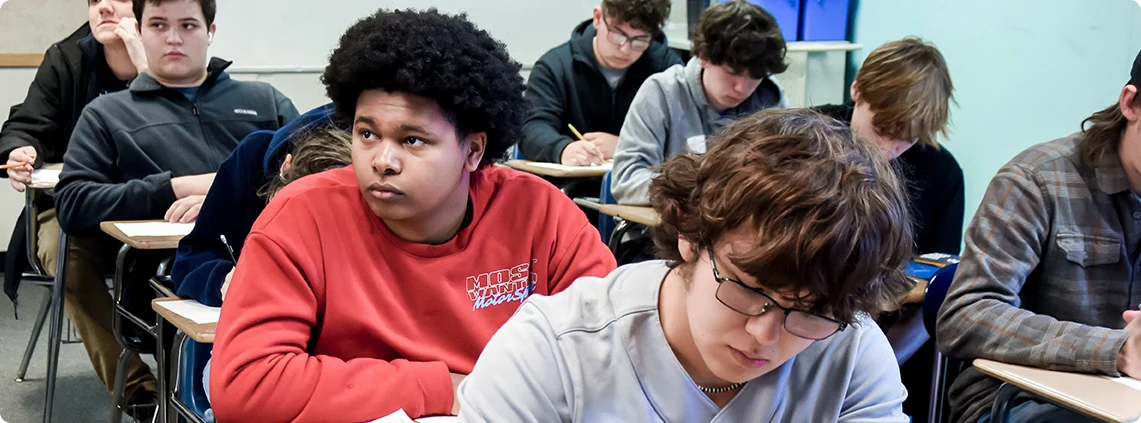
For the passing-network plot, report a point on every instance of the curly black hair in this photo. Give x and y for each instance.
(442, 57)
(645, 15)
(742, 36)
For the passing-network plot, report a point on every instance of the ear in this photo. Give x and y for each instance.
(686, 249)
(855, 92)
(213, 29)
(704, 63)
(597, 17)
(476, 145)
(286, 164)
(1128, 103)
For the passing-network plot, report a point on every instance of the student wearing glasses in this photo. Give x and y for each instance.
(780, 246)
(590, 81)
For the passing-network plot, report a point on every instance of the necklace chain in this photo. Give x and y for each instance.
(732, 387)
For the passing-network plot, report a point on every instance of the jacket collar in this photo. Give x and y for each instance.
(215, 72)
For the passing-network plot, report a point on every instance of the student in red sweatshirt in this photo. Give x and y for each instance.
(375, 287)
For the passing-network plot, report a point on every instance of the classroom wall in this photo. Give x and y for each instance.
(1025, 71)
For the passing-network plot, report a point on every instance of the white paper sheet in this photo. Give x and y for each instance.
(135, 229)
(193, 310)
(1128, 381)
(556, 166)
(401, 417)
(45, 176)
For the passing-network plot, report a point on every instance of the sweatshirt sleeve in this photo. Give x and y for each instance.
(945, 234)
(262, 369)
(980, 317)
(641, 145)
(580, 253)
(875, 392)
(202, 262)
(34, 122)
(521, 376)
(88, 193)
(543, 138)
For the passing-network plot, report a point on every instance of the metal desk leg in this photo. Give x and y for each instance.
(1003, 402)
(37, 328)
(934, 401)
(54, 332)
(161, 370)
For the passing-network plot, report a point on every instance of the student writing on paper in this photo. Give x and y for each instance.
(375, 287)
(737, 47)
(780, 245)
(902, 95)
(590, 81)
(147, 153)
(100, 57)
(1050, 264)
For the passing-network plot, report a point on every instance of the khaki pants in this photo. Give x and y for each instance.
(89, 304)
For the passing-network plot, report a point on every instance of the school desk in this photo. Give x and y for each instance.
(1096, 396)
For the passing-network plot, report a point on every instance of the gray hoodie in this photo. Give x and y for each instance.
(597, 353)
(671, 115)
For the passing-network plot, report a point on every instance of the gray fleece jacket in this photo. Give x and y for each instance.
(671, 115)
(128, 145)
(597, 353)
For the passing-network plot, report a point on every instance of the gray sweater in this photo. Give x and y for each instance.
(597, 353)
(671, 115)
(128, 145)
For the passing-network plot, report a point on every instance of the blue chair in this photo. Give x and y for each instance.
(517, 153)
(606, 223)
(189, 360)
(938, 270)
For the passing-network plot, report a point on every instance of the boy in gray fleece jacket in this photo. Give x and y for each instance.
(149, 152)
(737, 47)
(760, 312)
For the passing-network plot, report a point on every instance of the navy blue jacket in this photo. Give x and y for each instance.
(231, 207)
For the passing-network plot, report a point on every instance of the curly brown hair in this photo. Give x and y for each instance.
(828, 212)
(644, 15)
(742, 36)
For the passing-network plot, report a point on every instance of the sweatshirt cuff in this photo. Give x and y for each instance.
(1104, 352)
(557, 150)
(436, 388)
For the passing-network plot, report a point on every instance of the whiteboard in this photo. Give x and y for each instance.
(297, 33)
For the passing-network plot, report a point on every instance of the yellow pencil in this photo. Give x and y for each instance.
(576, 133)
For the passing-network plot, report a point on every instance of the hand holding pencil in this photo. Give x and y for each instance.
(581, 152)
(19, 167)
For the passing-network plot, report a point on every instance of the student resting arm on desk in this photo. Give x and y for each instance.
(375, 287)
(1050, 264)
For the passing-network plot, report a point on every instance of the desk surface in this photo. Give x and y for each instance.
(140, 242)
(644, 215)
(915, 296)
(556, 170)
(202, 333)
(1097, 396)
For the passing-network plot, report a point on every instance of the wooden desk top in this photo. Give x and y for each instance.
(141, 242)
(556, 170)
(590, 204)
(1097, 396)
(915, 296)
(202, 333)
(644, 215)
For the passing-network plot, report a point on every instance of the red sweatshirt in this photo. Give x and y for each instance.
(330, 317)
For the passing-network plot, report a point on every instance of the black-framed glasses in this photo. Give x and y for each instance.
(752, 302)
(620, 38)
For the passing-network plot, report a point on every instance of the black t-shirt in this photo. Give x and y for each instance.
(934, 187)
(108, 82)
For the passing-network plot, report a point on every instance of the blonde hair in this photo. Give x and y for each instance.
(314, 151)
(907, 85)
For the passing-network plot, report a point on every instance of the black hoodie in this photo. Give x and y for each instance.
(567, 87)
